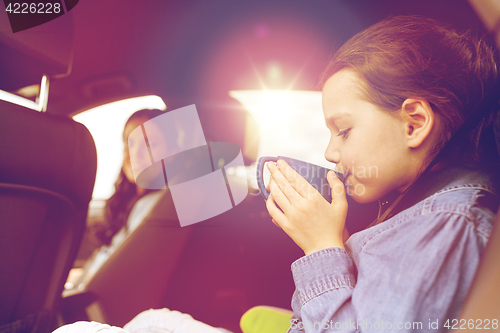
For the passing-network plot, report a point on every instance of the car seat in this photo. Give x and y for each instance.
(135, 275)
(47, 173)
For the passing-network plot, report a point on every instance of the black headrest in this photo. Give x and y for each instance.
(47, 151)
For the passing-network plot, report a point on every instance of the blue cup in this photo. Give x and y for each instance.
(314, 174)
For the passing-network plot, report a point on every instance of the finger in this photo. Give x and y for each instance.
(274, 211)
(279, 179)
(270, 176)
(338, 190)
(276, 223)
(302, 186)
(278, 196)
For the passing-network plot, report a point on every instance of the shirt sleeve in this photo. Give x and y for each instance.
(408, 276)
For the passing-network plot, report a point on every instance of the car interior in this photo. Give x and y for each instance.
(246, 66)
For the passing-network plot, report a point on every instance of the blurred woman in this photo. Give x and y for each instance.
(117, 224)
(127, 192)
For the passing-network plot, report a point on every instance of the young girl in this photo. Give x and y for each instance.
(393, 95)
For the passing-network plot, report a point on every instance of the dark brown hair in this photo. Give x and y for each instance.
(411, 56)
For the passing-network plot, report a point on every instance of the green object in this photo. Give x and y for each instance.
(265, 319)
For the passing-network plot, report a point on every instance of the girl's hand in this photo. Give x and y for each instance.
(312, 222)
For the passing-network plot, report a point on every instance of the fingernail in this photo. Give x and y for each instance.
(280, 162)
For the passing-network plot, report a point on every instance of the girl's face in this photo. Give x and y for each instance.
(135, 147)
(367, 144)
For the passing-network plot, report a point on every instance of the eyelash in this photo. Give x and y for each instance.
(344, 133)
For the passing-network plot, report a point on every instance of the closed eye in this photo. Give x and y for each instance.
(344, 133)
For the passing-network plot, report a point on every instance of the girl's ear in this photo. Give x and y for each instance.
(418, 119)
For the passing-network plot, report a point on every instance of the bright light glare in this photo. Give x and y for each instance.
(290, 123)
(39, 105)
(106, 123)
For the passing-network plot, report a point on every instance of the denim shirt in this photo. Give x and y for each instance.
(409, 273)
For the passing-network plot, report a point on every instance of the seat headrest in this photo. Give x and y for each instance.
(47, 151)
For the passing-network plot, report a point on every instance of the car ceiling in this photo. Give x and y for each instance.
(196, 51)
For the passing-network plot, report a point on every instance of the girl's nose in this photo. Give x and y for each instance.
(332, 153)
(139, 153)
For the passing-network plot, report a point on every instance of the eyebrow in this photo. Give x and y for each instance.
(337, 116)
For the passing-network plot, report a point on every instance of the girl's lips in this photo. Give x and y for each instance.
(347, 174)
(347, 180)
(340, 170)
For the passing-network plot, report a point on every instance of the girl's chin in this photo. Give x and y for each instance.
(362, 199)
(360, 194)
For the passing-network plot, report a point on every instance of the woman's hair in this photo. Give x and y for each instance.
(119, 205)
(410, 56)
